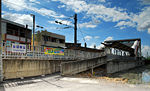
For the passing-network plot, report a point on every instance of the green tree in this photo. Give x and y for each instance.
(38, 36)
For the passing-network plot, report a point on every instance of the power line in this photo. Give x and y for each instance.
(42, 13)
(82, 34)
(68, 17)
(34, 10)
(85, 33)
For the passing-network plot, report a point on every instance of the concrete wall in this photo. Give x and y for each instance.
(16, 68)
(48, 43)
(4, 26)
(120, 63)
(79, 54)
(70, 68)
(113, 67)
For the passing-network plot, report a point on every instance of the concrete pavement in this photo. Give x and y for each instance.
(57, 83)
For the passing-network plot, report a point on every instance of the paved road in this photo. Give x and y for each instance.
(58, 83)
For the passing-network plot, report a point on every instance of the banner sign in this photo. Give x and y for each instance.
(19, 48)
(53, 51)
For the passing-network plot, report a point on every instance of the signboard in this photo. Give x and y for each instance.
(53, 51)
(19, 48)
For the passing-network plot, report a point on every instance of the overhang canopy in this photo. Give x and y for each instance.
(116, 44)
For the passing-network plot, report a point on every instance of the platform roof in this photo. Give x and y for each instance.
(116, 44)
(124, 40)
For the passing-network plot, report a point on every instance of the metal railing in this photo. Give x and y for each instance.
(69, 54)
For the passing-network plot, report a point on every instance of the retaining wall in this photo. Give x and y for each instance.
(70, 68)
(17, 68)
(120, 63)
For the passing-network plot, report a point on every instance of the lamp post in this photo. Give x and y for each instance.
(33, 30)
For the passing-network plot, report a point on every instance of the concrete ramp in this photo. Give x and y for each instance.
(73, 67)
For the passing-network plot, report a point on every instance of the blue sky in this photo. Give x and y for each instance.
(98, 20)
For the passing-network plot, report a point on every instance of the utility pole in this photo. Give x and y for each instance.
(75, 29)
(1, 46)
(33, 31)
(26, 37)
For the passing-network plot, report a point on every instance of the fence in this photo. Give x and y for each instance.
(10, 51)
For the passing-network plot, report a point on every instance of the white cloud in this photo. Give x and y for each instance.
(88, 38)
(102, 0)
(87, 25)
(122, 27)
(149, 30)
(61, 6)
(101, 46)
(76, 5)
(108, 38)
(142, 19)
(19, 18)
(19, 5)
(96, 37)
(145, 50)
(108, 14)
(92, 45)
(15, 4)
(122, 24)
(99, 11)
(124, 19)
(35, 1)
(146, 2)
(47, 12)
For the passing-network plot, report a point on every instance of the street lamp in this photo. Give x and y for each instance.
(39, 26)
(33, 29)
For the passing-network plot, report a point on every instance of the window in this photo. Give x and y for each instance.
(9, 32)
(16, 32)
(22, 33)
(12, 29)
(53, 39)
(45, 38)
(61, 41)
